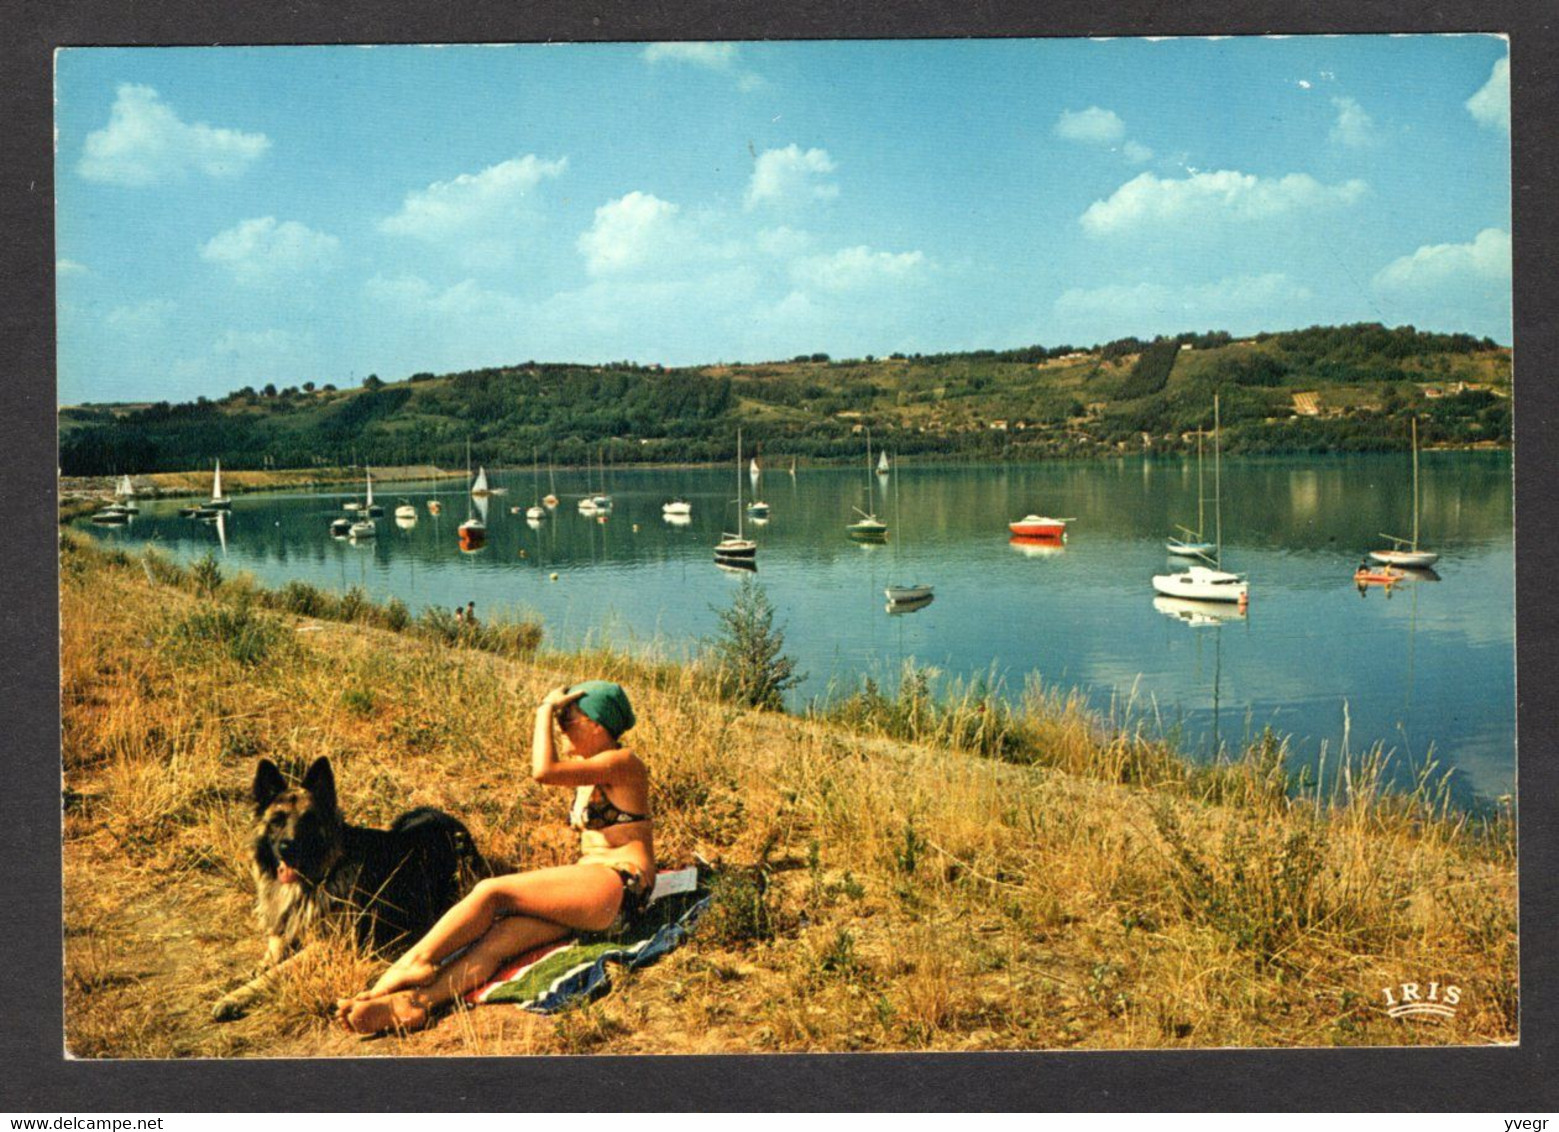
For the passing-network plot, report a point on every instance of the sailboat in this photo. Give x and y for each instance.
(218, 501)
(868, 528)
(905, 598)
(882, 462)
(737, 546)
(603, 501)
(1203, 583)
(752, 469)
(1193, 545)
(479, 485)
(371, 508)
(1405, 552)
(473, 532)
(792, 467)
(536, 510)
(550, 500)
(124, 497)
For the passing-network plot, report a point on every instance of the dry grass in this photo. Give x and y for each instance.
(920, 872)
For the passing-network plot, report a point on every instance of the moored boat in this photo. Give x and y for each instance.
(1405, 552)
(1038, 526)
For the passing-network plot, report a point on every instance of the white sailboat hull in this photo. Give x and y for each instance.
(1417, 559)
(1200, 583)
(898, 594)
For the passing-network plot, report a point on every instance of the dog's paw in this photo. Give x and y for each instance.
(230, 1007)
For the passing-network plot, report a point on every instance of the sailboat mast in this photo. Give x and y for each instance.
(1415, 483)
(1217, 487)
(1201, 505)
(740, 526)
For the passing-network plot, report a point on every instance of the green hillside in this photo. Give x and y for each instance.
(1326, 388)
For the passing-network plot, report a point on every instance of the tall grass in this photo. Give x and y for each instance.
(941, 867)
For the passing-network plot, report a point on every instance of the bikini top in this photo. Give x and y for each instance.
(596, 811)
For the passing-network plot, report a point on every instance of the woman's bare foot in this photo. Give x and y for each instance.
(407, 972)
(405, 1010)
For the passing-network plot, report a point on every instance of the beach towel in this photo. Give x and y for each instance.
(551, 977)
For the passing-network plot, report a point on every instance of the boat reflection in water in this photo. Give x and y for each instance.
(1199, 612)
(1033, 547)
(909, 605)
(737, 565)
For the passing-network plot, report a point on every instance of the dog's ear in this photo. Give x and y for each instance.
(268, 782)
(320, 782)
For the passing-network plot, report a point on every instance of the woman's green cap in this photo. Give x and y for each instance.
(607, 704)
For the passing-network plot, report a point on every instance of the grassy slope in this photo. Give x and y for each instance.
(874, 894)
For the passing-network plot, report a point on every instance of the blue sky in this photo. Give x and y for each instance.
(236, 216)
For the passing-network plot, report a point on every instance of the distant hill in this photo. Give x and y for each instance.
(1325, 388)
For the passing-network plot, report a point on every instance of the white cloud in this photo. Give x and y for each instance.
(715, 56)
(64, 267)
(141, 318)
(628, 233)
(1485, 260)
(1147, 200)
(1354, 127)
(147, 143)
(247, 343)
(783, 242)
(1491, 105)
(1136, 152)
(852, 269)
(791, 174)
(483, 215)
(1236, 303)
(262, 250)
(721, 57)
(1094, 126)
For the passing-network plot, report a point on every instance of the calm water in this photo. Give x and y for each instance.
(1429, 668)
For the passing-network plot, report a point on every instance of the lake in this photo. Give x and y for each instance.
(1426, 667)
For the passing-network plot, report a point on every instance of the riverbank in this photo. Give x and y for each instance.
(168, 485)
(905, 875)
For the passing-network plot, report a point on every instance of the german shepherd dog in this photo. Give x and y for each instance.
(313, 870)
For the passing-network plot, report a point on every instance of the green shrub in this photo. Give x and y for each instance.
(206, 575)
(748, 653)
(236, 631)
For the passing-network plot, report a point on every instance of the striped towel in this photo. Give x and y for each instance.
(551, 977)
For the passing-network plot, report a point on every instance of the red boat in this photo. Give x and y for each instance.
(1037, 526)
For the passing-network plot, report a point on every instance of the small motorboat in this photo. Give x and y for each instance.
(1367, 575)
(340, 528)
(434, 507)
(406, 511)
(897, 607)
(587, 506)
(1039, 526)
(536, 511)
(677, 507)
(904, 594)
(758, 509)
(550, 501)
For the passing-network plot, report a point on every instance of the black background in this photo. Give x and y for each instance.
(34, 1073)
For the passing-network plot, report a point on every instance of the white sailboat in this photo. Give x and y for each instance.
(882, 463)
(1193, 545)
(218, 501)
(737, 546)
(479, 485)
(868, 528)
(370, 508)
(603, 501)
(901, 598)
(124, 497)
(536, 510)
(1405, 552)
(363, 528)
(1204, 583)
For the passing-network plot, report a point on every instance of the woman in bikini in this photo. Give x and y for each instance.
(505, 916)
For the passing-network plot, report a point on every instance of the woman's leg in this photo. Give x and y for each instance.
(411, 1009)
(584, 897)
